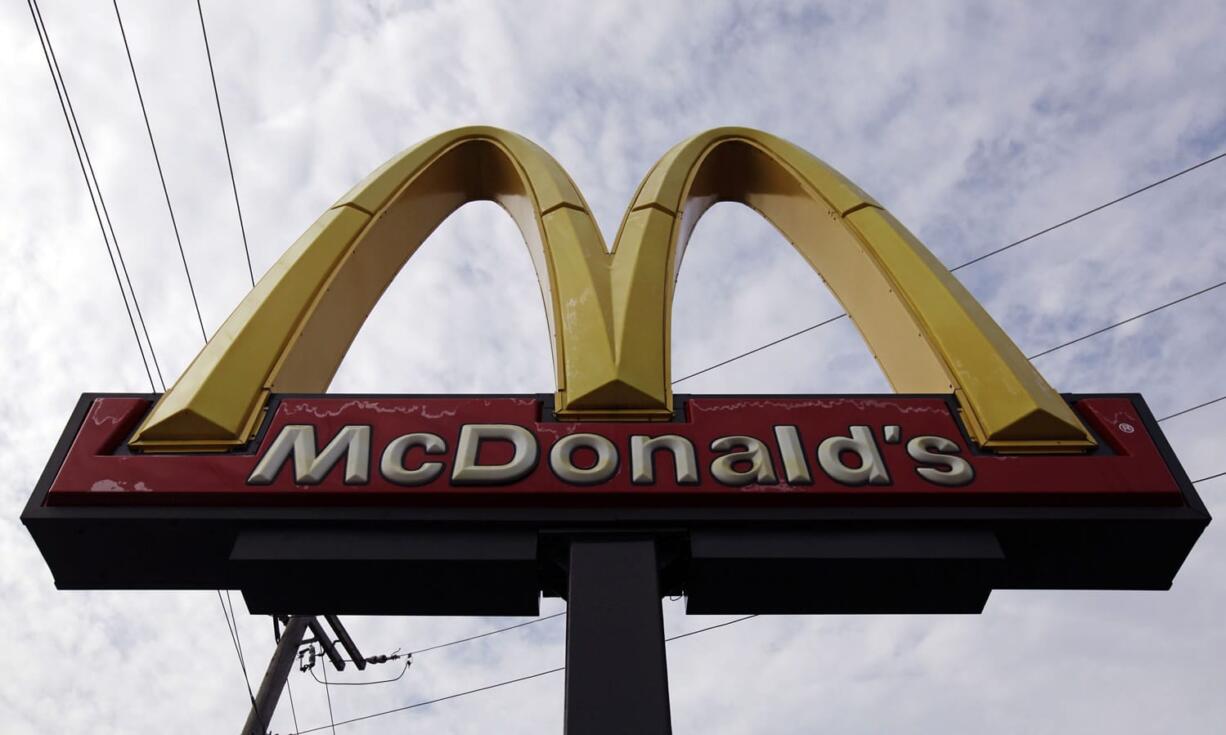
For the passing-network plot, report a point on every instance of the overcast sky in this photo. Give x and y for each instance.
(975, 124)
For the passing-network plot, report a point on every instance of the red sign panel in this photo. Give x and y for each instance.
(891, 450)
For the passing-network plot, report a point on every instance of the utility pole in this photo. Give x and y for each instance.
(260, 717)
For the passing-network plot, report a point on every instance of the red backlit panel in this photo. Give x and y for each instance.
(338, 450)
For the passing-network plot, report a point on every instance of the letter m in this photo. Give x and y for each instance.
(310, 466)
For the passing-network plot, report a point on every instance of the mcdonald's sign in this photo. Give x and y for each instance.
(976, 475)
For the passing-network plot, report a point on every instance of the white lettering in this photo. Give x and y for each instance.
(468, 472)
(392, 465)
(642, 458)
(872, 468)
(761, 471)
(562, 465)
(309, 468)
(936, 450)
(795, 466)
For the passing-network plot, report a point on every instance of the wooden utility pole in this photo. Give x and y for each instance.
(259, 719)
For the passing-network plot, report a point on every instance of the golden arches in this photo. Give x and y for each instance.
(291, 332)
(926, 330)
(609, 313)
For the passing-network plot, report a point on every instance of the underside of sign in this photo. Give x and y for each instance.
(756, 504)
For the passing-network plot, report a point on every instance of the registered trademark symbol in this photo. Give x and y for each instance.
(1127, 428)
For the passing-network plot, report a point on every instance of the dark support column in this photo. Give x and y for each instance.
(616, 672)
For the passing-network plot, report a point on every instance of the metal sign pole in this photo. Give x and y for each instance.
(616, 671)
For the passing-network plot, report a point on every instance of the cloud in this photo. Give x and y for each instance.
(975, 124)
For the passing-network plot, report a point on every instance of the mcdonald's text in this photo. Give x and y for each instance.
(510, 449)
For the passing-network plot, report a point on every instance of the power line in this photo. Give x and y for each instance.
(508, 682)
(496, 631)
(226, 142)
(710, 627)
(436, 700)
(487, 633)
(238, 650)
(809, 328)
(1210, 477)
(408, 662)
(70, 118)
(328, 694)
(1193, 408)
(979, 258)
(106, 214)
(292, 710)
(1036, 355)
(161, 176)
(1089, 212)
(238, 640)
(1121, 323)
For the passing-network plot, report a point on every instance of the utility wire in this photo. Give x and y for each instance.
(1036, 355)
(226, 142)
(508, 682)
(408, 662)
(328, 694)
(1193, 408)
(1121, 323)
(70, 118)
(710, 627)
(242, 663)
(982, 257)
(809, 328)
(106, 214)
(238, 640)
(1089, 212)
(487, 633)
(161, 176)
(1210, 477)
(496, 631)
(292, 710)
(415, 705)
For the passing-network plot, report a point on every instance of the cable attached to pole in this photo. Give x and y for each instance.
(979, 258)
(1122, 322)
(226, 142)
(161, 176)
(70, 119)
(242, 664)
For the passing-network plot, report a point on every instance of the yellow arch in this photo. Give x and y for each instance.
(292, 330)
(608, 313)
(926, 330)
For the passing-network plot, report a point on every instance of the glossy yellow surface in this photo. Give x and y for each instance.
(609, 314)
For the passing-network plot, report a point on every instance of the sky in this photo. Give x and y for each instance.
(976, 124)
